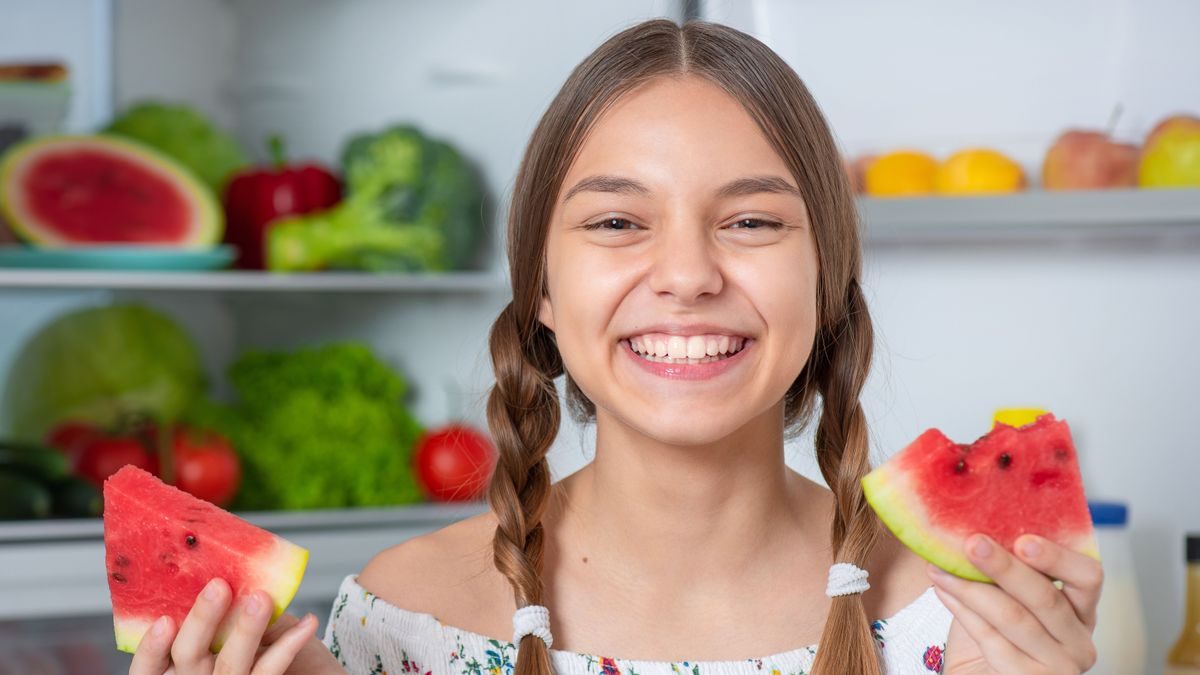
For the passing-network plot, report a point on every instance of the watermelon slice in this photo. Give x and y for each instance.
(82, 190)
(936, 493)
(162, 546)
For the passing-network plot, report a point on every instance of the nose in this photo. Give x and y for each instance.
(685, 263)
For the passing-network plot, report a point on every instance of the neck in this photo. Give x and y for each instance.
(659, 519)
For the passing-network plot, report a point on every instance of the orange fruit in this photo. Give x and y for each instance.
(901, 173)
(977, 171)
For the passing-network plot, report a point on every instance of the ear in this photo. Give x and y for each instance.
(546, 313)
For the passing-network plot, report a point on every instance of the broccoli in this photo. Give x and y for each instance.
(411, 204)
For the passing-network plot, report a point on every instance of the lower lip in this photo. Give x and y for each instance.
(687, 371)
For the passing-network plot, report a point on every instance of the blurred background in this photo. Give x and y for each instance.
(1031, 230)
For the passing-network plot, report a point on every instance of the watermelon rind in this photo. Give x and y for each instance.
(287, 565)
(142, 514)
(207, 216)
(891, 494)
(888, 493)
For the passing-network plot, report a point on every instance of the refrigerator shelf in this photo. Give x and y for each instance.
(1035, 215)
(251, 281)
(55, 568)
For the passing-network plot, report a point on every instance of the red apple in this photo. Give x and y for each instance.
(1089, 160)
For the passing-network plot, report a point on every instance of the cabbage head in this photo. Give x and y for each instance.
(99, 364)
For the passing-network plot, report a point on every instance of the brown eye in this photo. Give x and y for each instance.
(603, 224)
(758, 224)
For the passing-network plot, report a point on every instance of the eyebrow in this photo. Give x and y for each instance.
(735, 188)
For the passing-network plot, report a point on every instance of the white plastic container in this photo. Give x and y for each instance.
(1120, 624)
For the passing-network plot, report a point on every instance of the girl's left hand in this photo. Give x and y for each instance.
(1023, 623)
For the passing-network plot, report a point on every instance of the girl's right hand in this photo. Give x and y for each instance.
(250, 648)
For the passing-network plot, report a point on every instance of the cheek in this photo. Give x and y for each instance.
(585, 300)
(787, 302)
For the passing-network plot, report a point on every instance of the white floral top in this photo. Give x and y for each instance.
(369, 636)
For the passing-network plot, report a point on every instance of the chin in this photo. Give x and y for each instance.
(690, 428)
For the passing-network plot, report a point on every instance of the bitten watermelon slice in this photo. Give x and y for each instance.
(162, 546)
(936, 493)
(60, 191)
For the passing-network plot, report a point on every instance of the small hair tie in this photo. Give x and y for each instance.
(532, 620)
(846, 579)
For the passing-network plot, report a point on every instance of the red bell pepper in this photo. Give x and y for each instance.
(256, 197)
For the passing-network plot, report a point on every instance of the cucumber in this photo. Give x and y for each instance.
(74, 497)
(22, 498)
(35, 461)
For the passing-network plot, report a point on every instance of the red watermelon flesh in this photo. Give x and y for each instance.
(162, 546)
(86, 190)
(936, 493)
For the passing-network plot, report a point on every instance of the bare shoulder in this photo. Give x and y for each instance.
(447, 573)
(897, 573)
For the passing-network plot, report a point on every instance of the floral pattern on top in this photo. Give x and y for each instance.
(369, 636)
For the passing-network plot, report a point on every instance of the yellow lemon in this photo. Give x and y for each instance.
(1017, 417)
(900, 174)
(978, 171)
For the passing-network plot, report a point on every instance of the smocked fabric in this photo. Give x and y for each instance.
(370, 636)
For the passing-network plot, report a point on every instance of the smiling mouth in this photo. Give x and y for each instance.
(681, 350)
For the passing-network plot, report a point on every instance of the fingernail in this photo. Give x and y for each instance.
(1031, 548)
(212, 591)
(253, 605)
(936, 571)
(160, 627)
(982, 548)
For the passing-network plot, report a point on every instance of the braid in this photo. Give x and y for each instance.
(523, 415)
(844, 358)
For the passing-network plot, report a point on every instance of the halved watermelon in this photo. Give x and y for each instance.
(83, 190)
(162, 546)
(936, 493)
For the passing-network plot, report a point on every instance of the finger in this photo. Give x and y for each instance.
(282, 652)
(193, 646)
(1001, 654)
(277, 629)
(1082, 575)
(250, 619)
(153, 653)
(1034, 593)
(1007, 617)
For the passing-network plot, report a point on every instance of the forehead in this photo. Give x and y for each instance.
(676, 134)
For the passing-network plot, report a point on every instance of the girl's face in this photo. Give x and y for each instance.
(680, 249)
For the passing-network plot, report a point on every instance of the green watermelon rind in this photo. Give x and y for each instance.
(895, 505)
(277, 570)
(287, 565)
(895, 502)
(206, 211)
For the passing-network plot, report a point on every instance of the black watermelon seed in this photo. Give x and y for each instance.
(118, 577)
(1060, 454)
(121, 561)
(961, 466)
(1005, 460)
(190, 540)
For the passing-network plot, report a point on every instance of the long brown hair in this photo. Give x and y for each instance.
(522, 408)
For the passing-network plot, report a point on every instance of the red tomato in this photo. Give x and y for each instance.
(101, 456)
(69, 437)
(206, 465)
(454, 463)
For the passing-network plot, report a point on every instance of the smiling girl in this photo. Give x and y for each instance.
(684, 248)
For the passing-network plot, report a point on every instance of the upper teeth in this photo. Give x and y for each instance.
(690, 347)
